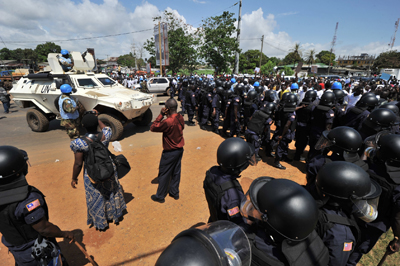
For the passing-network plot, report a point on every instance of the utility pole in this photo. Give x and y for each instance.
(333, 45)
(159, 42)
(262, 42)
(236, 70)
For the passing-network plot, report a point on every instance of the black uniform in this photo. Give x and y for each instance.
(302, 129)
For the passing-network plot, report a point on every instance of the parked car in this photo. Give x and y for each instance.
(157, 85)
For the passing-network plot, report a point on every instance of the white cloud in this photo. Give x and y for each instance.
(287, 14)
(199, 2)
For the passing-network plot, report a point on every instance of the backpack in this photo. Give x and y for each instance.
(98, 163)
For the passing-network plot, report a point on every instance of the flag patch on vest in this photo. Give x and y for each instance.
(233, 211)
(348, 246)
(33, 205)
(332, 115)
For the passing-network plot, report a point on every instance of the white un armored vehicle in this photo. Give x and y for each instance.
(116, 104)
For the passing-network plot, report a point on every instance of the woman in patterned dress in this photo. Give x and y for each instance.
(104, 200)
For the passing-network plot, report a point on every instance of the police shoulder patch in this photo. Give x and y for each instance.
(332, 115)
(33, 205)
(348, 246)
(237, 100)
(233, 211)
(193, 95)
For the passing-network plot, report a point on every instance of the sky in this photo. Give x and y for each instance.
(365, 26)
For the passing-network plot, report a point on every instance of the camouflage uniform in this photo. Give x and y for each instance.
(143, 87)
(71, 125)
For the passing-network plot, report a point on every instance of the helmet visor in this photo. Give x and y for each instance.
(323, 142)
(248, 210)
(366, 208)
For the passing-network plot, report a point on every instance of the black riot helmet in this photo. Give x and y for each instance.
(252, 95)
(192, 82)
(221, 243)
(211, 86)
(369, 102)
(223, 84)
(327, 99)
(245, 82)
(291, 101)
(228, 94)
(339, 95)
(309, 96)
(340, 139)
(234, 155)
(269, 108)
(348, 184)
(220, 91)
(380, 119)
(240, 87)
(281, 206)
(185, 82)
(388, 150)
(246, 88)
(270, 96)
(13, 168)
(227, 85)
(285, 96)
(259, 89)
(391, 106)
(218, 83)
(368, 94)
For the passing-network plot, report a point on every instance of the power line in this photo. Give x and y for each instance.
(80, 39)
(218, 12)
(276, 47)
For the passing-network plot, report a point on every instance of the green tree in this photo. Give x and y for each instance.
(288, 71)
(152, 61)
(251, 59)
(267, 68)
(291, 58)
(324, 56)
(6, 54)
(218, 44)
(390, 59)
(42, 50)
(275, 60)
(126, 60)
(297, 53)
(182, 43)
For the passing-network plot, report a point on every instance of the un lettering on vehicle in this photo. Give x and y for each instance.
(45, 88)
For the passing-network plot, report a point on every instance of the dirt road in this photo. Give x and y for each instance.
(148, 227)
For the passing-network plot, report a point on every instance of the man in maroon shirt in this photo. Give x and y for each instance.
(169, 173)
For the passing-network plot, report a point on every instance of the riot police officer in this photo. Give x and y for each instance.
(340, 106)
(249, 106)
(321, 120)
(259, 127)
(345, 144)
(345, 194)
(220, 243)
(356, 115)
(282, 217)
(303, 122)
(378, 120)
(221, 187)
(216, 106)
(206, 101)
(23, 209)
(285, 134)
(235, 108)
(190, 104)
(182, 93)
(384, 168)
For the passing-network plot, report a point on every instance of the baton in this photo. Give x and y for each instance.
(86, 254)
(387, 252)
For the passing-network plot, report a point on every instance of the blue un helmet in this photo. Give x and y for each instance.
(294, 86)
(66, 88)
(336, 86)
(256, 84)
(233, 80)
(64, 52)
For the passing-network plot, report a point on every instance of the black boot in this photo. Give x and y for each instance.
(278, 165)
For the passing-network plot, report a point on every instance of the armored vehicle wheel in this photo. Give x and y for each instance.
(114, 124)
(168, 92)
(37, 121)
(146, 119)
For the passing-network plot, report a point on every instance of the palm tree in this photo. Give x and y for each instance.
(310, 57)
(297, 52)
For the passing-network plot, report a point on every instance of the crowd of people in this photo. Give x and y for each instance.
(351, 198)
(352, 195)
